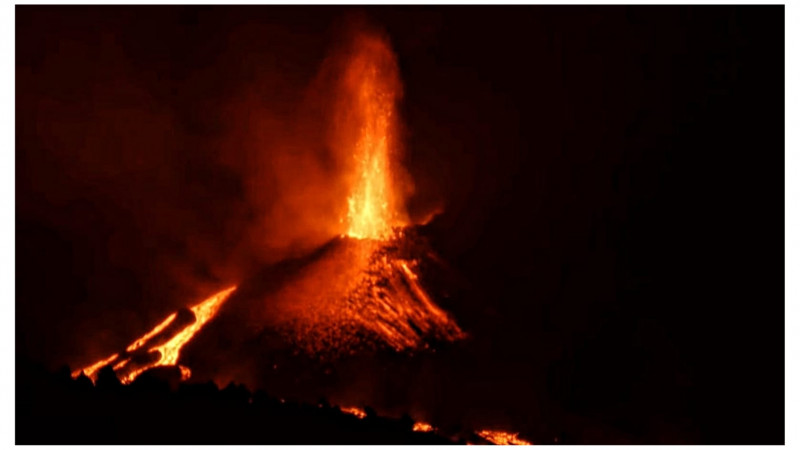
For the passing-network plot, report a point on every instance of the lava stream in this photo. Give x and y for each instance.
(91, 371)
(502, 437)
(353, 411)
(160, 354)
(423, 427)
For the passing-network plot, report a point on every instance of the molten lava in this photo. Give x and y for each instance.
(364, 294)
(385, 297)
(158, 329)
(91, 371)
(353, 411)
(502, 437)
(423, 427)
(370, 92)
(160, 354)
(203, 312)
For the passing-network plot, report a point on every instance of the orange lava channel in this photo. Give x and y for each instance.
(169, 352)
(92, 370)
(502, 437)
(352, 410)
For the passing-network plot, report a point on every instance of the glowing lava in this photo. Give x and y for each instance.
(158, 329)
(502, 437)
(203, 312)
(160, 354)
(423, 427)
(371, 88)
(353, 411)
(389, 301)
(91, 371)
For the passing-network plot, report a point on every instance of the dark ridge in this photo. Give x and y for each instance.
(154, 409)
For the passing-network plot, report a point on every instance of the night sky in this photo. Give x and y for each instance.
(610, 181)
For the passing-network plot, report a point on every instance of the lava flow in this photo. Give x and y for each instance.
(423, 427)
(158, 348)
(502, 438)
(353, 411)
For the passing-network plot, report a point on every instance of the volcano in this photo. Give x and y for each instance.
(361, 291)
(351, 295)
(362, 302)
(275, 224)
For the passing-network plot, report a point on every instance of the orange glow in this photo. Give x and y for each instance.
(502, 438)
(371, 88)
(367, 289)
(186, 373)
(394, 306)
(363, 294)
(121, 364)
(158, 329)
(169, 351)
(422, 427)
(382, 292)
(91, 371)
(203, 312)
(352, 410)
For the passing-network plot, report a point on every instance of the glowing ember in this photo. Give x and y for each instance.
(353, 411)
(168, 352)
(423, 427)
(186, 373)
(502, 437)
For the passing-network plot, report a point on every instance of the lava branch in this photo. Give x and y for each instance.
(169, 351)
(502, 437)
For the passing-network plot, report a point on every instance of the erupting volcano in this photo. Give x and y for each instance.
(371, 225)
(364, 286)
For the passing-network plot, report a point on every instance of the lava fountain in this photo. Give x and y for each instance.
(370, 91)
